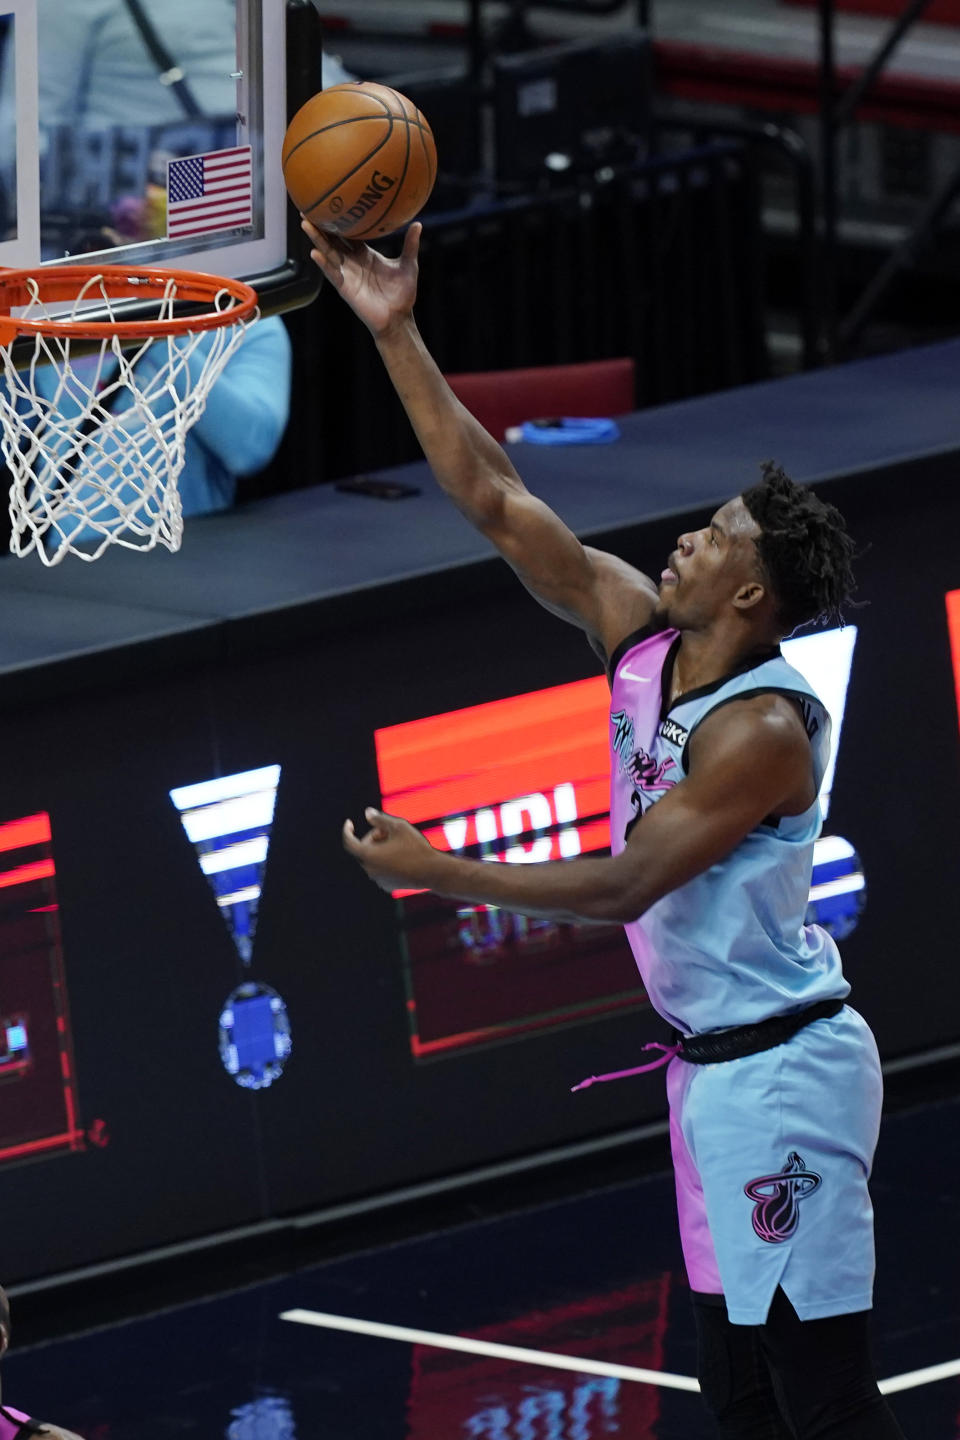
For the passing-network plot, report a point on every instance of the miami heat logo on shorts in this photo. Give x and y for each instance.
(778, 1197)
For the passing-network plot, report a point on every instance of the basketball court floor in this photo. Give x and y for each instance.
(589, 1280)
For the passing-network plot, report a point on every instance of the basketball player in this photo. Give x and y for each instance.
(718, 750)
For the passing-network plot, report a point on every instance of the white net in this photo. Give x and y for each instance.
(95, 441)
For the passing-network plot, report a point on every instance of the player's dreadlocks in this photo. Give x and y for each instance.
(804, 549)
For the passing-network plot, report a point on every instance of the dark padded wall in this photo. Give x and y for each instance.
(99, 740)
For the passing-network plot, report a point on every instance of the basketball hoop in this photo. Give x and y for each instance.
(95, 449)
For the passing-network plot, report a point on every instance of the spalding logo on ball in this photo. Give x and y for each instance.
(359, 160)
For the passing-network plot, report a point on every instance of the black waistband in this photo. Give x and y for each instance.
(715, 1046)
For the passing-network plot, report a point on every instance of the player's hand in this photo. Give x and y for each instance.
(379, 290)
(393, 853)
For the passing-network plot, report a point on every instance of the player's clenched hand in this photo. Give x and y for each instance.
(379, 290)
(394, 854)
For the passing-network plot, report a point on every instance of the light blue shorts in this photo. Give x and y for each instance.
(772, 1154)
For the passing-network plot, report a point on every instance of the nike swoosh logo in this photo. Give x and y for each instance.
(629, 675)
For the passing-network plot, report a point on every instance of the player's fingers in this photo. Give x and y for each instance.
(325, 246)
(380, 824)
(411, 241)
(331, 267)
(307, 226)
(350, 842)
(337, 247)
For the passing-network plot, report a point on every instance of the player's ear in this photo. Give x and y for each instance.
(751, 594)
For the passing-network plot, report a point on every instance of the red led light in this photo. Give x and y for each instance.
(40, 1110)
(491, 776)
(521, 779)
(31, 830)
(23, 874)
(467, 759)
(953, 624)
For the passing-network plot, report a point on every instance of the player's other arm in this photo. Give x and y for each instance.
(748, 761)
(600, 593)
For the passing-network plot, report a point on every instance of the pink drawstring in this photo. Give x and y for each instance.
(668, 1053)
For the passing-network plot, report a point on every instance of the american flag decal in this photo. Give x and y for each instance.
(209, 192)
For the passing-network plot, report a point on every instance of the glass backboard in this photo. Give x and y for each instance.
(148, 132)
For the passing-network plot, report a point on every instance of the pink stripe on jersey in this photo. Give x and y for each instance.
(10, 1422)
(637, 778)
(699, 1256)
(635, 700)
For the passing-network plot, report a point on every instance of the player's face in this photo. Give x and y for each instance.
(710, 567)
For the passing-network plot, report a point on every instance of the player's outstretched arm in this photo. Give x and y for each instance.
(603, 595)
(750, 760)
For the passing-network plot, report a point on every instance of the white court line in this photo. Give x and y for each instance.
(913, 1378)
(485, 1347)
(549, 1360)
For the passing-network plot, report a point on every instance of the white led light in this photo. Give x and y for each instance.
(230, 817)
(831, 848)
(227, 787)
(541, 849)
(825, 660)
(252, 892)
(846, 885)
(228, 821)
(231, 857)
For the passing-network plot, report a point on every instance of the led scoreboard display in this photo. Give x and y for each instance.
(38, 1091)
(520, 780)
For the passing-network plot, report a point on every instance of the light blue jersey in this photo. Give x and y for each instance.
(772, 1151)
(730, 947)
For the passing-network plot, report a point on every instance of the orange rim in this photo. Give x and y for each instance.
(118, 282)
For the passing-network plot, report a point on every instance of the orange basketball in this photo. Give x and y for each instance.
(359, 159)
